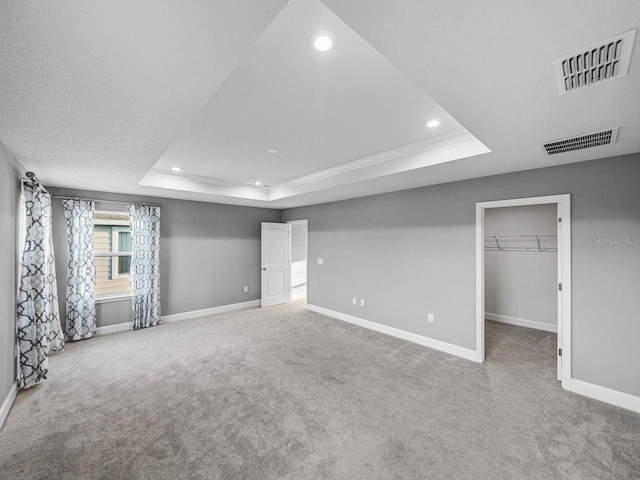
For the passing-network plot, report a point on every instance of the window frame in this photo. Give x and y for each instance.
(115, 232)
(116, 225)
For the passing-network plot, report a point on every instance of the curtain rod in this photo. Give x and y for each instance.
(31, 181)
(64, 197)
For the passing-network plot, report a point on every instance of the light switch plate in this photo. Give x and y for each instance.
(320, 261)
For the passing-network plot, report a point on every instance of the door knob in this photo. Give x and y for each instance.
(264, 268)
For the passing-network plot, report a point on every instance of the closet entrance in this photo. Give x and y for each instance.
(523, 277)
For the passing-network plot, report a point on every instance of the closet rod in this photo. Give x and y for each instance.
(64, 197)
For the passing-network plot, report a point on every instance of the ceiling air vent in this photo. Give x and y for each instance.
(606, 60)
(605, 137)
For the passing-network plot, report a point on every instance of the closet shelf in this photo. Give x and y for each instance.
(521, 243)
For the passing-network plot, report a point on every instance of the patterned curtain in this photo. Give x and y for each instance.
(145, 265)
(81, 280)
(38, 320)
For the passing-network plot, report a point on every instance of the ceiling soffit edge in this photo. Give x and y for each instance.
(377, 158)
(445, 148)
(162, 179)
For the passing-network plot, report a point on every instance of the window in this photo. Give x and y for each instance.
(121, 241)
(112, 246)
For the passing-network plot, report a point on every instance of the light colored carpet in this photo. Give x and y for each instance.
(284, 393)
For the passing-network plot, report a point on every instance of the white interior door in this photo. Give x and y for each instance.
(276, 264)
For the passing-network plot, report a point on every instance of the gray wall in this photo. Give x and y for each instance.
(208, 253)
(522, 284)
(413, 252)
(10, 172)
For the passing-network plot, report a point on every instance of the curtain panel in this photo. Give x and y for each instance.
(145, 265)
(38, 329)
(81, 277)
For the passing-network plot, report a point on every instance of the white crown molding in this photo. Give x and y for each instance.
(377, 159)
(381, 166)
(210, 186)
(446, 148)
(209, 180)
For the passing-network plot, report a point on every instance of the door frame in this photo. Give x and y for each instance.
(564, 274)
(305, 221)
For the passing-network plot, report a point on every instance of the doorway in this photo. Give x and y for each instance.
(559, 244)
(299, 258)
(284, 252)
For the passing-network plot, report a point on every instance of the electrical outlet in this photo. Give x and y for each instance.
(320, 261)
(431, 318)
(246, 289)
(362, 302)
(355, 301)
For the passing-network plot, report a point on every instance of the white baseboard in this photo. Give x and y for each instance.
(8, 403)
(119, 327)
(619, 399)
(521, 322)
(177, 317)
(395, 332)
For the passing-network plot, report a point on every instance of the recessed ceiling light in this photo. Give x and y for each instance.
(258, 183)
(272, 150)
(176, 169)
(433, 123)
(322, 43)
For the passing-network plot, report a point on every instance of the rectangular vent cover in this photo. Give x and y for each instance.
(605, 137)
(606, 60)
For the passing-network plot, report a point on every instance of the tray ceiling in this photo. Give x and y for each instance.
(110, 96)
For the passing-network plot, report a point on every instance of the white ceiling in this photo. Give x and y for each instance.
(109, 96)
(319, 109)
